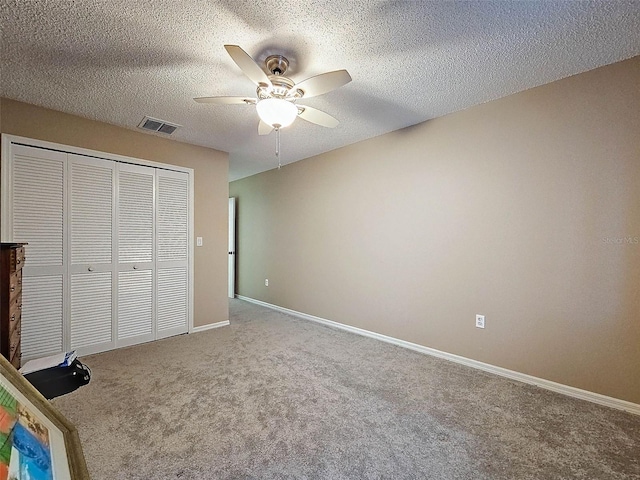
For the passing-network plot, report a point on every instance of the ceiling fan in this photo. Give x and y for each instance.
(277, 95)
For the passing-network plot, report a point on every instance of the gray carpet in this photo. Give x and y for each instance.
(274, 397)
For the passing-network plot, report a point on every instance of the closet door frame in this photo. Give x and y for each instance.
(6, 222)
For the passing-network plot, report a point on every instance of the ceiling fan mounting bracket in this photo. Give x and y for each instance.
(276, 64)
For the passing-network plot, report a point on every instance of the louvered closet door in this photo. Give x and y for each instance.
(37, 204)
(136, 217)
(92, 269)
(172, 253)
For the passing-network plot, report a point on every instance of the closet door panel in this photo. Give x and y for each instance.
(38, 204)
(135, 214)
(135, 307)
(92, 211)
(136, 238)
(92, 223)
(91, 311)
(172, 301)
(37, 194)
(42, 315)
(172, 220)
(172, 227)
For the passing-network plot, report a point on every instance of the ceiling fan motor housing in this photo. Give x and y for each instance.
(281, 87)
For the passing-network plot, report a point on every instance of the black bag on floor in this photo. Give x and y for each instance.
(55, 381)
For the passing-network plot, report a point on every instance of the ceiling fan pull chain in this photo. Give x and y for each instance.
(278, 146)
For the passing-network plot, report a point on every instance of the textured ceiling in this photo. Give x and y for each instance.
(119, 60)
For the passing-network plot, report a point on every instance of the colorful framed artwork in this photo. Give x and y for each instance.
(36, 441)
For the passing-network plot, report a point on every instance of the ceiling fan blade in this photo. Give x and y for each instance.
(264, 128)
(318, 117)
(323, 83)
(248, 65)
(226, 100)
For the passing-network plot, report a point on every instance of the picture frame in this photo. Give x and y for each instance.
(36, 440)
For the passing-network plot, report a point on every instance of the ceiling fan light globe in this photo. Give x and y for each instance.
(277, 112)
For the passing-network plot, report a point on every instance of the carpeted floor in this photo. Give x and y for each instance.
(274, 397)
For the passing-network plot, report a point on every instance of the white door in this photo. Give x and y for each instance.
(92, 266)
(172, 253)
(135, 288)
(232, 247)
(37, 192)
(109, 248)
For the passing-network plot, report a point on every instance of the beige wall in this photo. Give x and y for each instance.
(513, 209)
(211, 186)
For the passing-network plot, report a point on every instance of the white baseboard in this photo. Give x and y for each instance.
(503, 372)
(203, 328)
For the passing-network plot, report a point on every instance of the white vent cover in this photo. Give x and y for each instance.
(156, 125)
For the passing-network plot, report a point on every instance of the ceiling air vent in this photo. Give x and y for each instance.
(156, 125)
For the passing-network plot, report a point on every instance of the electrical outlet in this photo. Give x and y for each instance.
(266, 282)
(480, 321)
